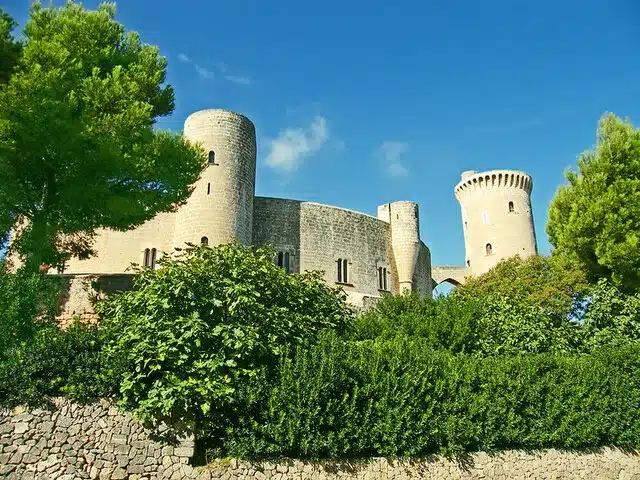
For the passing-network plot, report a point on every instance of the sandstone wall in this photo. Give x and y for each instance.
(318, 235)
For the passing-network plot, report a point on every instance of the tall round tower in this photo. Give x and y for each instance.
(405, 241)
(220, 209)
(496, 217)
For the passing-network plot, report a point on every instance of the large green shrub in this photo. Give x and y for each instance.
(187, 334)
(494, 324)
(27, 302)
(400, 398)
(54, 362)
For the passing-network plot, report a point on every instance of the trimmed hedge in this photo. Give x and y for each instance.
(398, 398)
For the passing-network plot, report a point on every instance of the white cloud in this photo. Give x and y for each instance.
(239, 79)
(203, 72)
(392, 153)
(210, 74)
(296, 144)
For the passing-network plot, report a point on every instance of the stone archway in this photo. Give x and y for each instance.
(456, 276)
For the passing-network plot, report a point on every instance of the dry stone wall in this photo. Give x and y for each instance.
(95, 441)
(514, 465)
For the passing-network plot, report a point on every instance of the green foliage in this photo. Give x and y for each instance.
(53, 363)
(555, 286)
(9, 48)
(400, 398)
(27, 302)
(78, 148)
(613, 317)
(595, 219)
(444, 323)
(191, 331)
(491, 324)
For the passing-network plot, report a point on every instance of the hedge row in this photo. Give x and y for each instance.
(397, 398)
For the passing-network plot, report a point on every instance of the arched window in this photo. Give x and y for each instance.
(345, 277)
(511, 209)
(468, 263)
(339, 270)
(488, 249)
(147, 257)
(380, 278)
(204, 241)
(212, 157)
(153, 258)
(280, 259)
(384, 278)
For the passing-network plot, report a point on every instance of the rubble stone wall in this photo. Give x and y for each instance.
(70, 441)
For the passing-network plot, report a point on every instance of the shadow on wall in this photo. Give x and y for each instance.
(277, 223)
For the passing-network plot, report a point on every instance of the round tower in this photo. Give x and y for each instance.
(405, 241)
(220, 209)
(496, 217)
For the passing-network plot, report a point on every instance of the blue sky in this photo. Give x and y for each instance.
(361, 103)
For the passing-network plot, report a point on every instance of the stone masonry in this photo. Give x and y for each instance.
(96, 441)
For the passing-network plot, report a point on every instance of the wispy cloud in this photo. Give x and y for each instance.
(392, 155)
(296, 144)
(202, 71)
(239, 79)
(210, 74)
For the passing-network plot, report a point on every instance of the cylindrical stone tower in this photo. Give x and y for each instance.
(496, 217)
(405, 241)
(220, 209)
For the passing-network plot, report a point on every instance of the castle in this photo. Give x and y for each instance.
(366, 255)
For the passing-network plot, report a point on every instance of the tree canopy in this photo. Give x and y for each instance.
(78, 147)
(595, 219)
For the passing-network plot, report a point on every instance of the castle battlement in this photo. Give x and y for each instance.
(472, 180)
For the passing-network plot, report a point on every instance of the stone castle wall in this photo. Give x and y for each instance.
(96, 441)
(318, 235)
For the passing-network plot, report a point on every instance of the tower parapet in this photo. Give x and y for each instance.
(497, 218)
(220, 209)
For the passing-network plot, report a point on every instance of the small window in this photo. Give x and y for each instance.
(511, 209)
(343, 276)
(280, 259)
(153, 258)
(208, 188)
(286, 262)
(212, 157)
(468, 263)
(382, 278)
(488, 249)
(147, 257)
(204, 241)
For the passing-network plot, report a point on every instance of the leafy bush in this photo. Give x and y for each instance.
(613, 317)
(187, 334)
(54, 362)
(27, 301)
(400, 398)
(491, 325)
